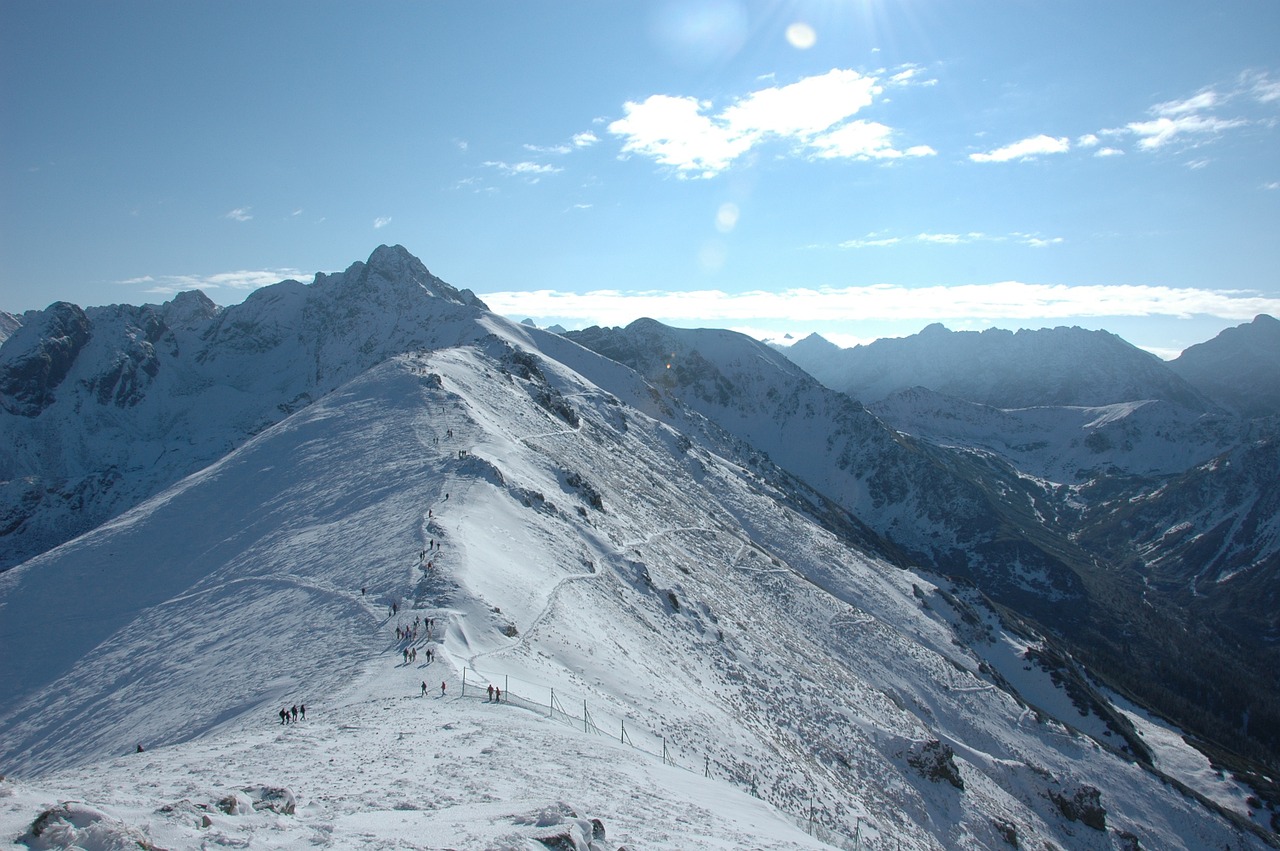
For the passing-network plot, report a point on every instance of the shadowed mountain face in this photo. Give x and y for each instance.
(1239, 369)
(1076, 516)
(1003, 369)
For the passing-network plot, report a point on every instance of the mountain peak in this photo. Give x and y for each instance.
(394, 268)
(395, 259)
(1239, 368)
(188, 309)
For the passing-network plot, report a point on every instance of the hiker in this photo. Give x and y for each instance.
(303, 710)
(491, 691)
(497, 695)
(442, 688)
(295, 712)
(284, 716)
(424, 688)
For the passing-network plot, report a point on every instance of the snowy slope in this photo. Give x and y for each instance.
(102, 407)
(1069, 445)
(576, 545)
(965, 514)
(8, 324)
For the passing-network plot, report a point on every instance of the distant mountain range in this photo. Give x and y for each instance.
(951, 528)
(1236, 371)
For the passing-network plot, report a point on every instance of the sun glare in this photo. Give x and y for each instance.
(801, 36)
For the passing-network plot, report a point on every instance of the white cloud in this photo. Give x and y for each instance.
(948, 238)
(585, 139)
(239, 214)
(871, 240)
(242, 280)
(1007, 300)
(674, 132)
(548, 149)
(1190, 120)
(813, 113)
(910, 75)
(1037, 242)
(804, 108)
(1025, 149)
(1262, 87)
(1161, 131)
(531, 170)
(381, 222)
(1204, 100)
(880, 239)
(864, 140)
(1088, 140)
(1108, 152)
(1273, 185)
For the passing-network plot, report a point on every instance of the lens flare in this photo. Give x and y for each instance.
(801, 36)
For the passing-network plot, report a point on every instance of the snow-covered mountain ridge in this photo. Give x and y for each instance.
(559, 538)
(638, 547)
(1175, 491)
(104, 406)
(1034, 506)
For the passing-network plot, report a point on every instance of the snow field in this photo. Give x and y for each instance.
(691, 603)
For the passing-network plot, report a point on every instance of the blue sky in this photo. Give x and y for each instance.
(859, 169)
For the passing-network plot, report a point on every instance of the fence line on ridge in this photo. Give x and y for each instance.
(552, 708)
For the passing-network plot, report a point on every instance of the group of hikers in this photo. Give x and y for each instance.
(293, 714)
(410, 633)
